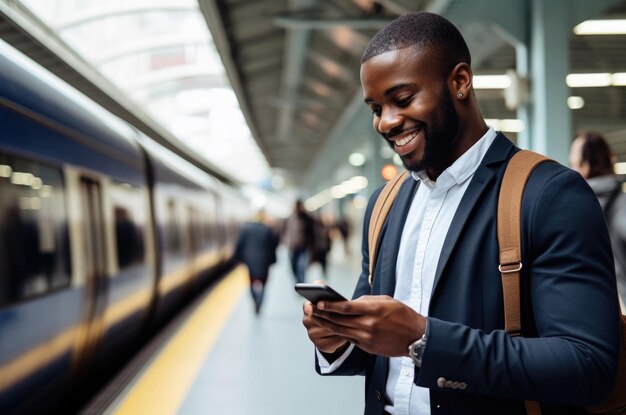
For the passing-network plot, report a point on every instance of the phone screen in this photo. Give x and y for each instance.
(318, 292)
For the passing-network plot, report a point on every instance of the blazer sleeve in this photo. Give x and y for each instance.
(356, 363)
(573, 359)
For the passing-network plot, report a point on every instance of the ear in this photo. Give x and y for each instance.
(461, 80)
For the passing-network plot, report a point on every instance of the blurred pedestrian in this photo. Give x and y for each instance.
(256, 248)
(322, 244)
(343, 226)
(299, 238)
(591, 156)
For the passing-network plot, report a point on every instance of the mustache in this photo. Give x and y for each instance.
(401, 130)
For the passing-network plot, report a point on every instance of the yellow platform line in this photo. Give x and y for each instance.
(162, 388)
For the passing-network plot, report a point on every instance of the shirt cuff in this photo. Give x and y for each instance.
(326, 367)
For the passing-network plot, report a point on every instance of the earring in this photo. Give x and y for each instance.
(459, 95)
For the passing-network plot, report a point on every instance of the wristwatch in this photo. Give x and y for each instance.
(416, 350)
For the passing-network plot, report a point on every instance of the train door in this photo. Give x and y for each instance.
(94, 265)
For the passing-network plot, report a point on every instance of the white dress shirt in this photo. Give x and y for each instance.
(424, 232)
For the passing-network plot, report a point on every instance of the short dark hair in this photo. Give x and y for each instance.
(421, 30)
(597, 153)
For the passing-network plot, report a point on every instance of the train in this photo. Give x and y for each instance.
(104, 234)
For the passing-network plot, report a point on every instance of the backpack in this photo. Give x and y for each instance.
(517, 173)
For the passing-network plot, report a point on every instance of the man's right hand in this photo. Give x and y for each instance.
(324, 339)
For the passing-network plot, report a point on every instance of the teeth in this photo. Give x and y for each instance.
(403, 141)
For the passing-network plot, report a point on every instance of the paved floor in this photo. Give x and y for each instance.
(264, 364)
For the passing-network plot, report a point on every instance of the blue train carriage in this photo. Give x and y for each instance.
(73, 189)
(103, 233)
(186, 207)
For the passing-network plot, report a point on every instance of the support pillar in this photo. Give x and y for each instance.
(551, 118)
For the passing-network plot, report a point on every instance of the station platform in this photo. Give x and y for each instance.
(223, 359)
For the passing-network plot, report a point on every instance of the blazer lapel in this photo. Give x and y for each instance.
(392, 235)
(484, 177)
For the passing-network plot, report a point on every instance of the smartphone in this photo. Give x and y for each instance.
(318, 292)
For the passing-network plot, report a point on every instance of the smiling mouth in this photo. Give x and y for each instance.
(406, 140)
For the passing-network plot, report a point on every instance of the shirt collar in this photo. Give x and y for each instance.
(463, 167)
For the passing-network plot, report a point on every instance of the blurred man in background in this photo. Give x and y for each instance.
(256, 248)
(299, 238)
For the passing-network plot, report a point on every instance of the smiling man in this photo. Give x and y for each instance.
(437, 289)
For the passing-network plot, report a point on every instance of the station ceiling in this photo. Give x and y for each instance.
(294, 66)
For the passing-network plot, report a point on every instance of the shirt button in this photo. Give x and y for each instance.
(441, 382)
(379, 395)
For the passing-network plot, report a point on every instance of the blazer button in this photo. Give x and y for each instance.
(379, 395)
(462, 386)
(449, 384)
(441, 382)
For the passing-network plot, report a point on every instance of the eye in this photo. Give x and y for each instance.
(403, 102)
(376, 110)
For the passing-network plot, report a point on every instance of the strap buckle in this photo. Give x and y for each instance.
(517, 266)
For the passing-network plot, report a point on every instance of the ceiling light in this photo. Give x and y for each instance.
(359, 202)
(491, 81)
(278, 182)
(389, 171)
(507, 125)
(618, 79)
(578, 80)
(356, 159)
(575, 102)
(620, 168)
(343, 37)
(5, 171)
(601, 27)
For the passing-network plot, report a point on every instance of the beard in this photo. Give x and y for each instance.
(440, 138)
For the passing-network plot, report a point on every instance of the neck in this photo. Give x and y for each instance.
(469, 134)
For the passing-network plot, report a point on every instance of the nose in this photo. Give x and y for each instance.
(388, 120)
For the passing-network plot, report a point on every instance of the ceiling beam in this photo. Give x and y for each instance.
(299, 22)
(295, 52)
(215, 23)
(394, 6)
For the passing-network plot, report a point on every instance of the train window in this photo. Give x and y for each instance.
(129, 214)
(34, 244)
(174, 240)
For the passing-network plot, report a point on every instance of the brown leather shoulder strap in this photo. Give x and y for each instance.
(509, 216)
(516, 175)
(380, 212)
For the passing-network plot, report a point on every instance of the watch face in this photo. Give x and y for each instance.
(417, 349)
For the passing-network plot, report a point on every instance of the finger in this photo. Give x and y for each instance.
(307, 308)
(362, 305)
(339, 307)
(350, 332)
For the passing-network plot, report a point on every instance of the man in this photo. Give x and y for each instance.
(299, 238)
(256, 248)
(436, 285)
(591, 156)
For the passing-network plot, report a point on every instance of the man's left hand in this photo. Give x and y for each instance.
(377, 324)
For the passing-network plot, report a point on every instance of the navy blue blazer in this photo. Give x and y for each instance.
(256, 247)
(568, 355)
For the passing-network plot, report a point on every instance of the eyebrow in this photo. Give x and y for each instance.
(392, 90)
